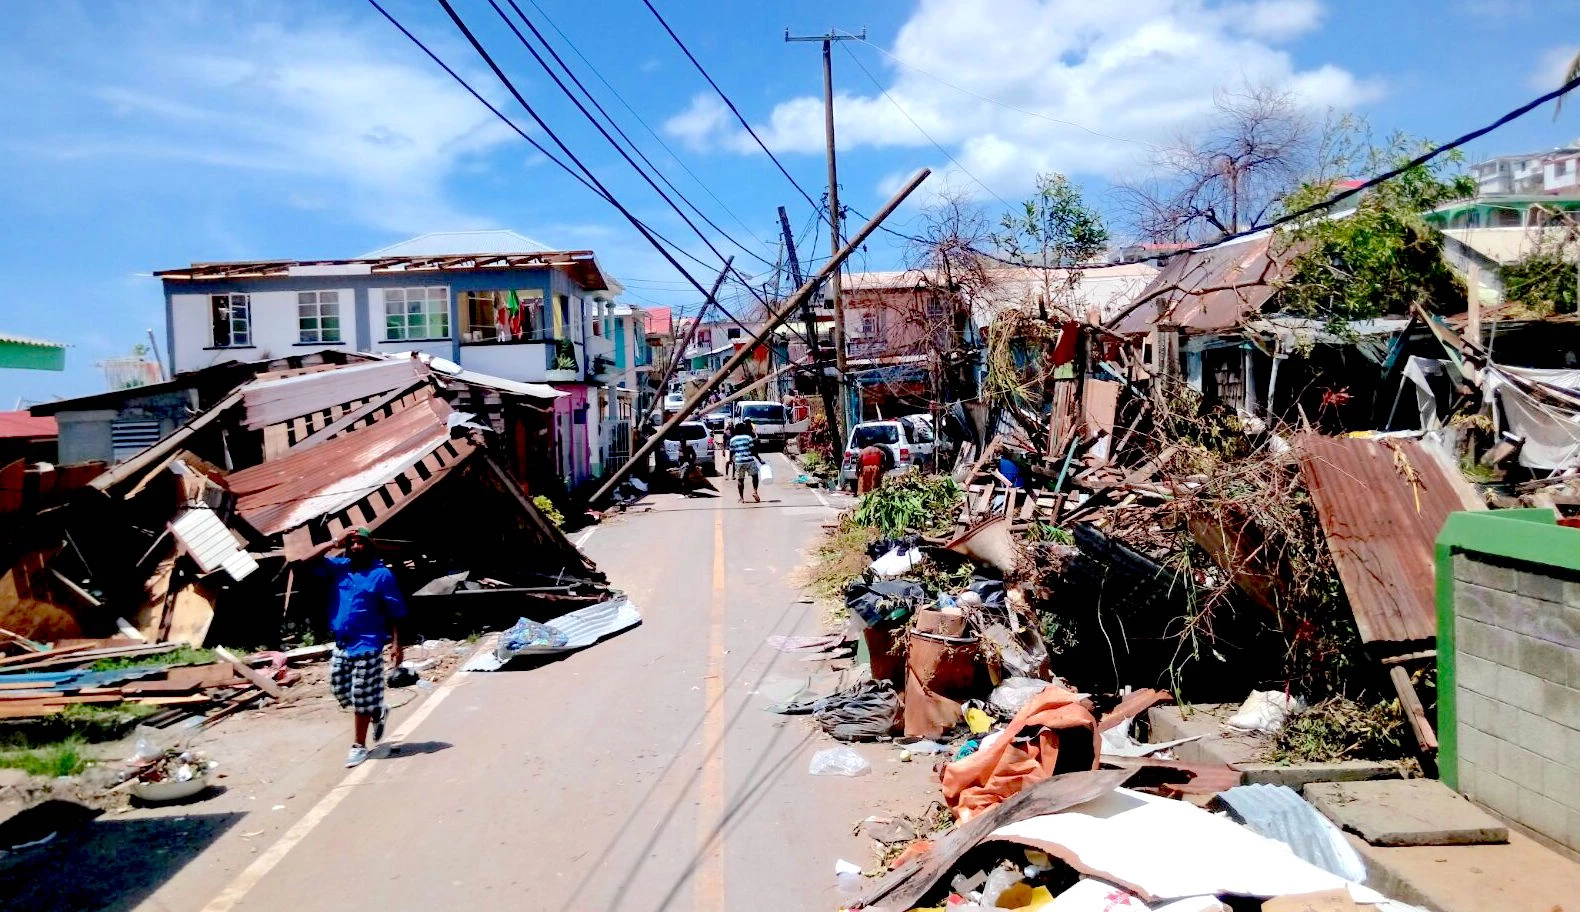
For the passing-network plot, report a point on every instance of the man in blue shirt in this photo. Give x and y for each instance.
(364, 604)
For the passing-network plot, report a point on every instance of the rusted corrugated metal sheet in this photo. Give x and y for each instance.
(1217, 288)
(303, 485)
(1382, 504)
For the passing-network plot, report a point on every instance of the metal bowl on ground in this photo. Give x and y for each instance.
(170, 789)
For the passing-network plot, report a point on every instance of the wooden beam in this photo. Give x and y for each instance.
(1414, 712)
(262, 682)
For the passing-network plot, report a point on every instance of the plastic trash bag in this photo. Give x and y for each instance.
(525, 633)
(765, 472)
(838, 761)
(896, 562)
(885, 602)
(866, 712)
(1266, 711)
(1012, 694)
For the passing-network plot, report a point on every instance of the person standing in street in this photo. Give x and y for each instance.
(743, 454)
(364, 605)
(871, 463)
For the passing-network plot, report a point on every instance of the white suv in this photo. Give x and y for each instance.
(693, 434)
(891, 435)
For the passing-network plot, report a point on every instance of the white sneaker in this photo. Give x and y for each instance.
(357, 754)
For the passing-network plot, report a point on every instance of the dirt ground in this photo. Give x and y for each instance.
(276, 759)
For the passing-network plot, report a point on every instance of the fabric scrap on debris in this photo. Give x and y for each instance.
(1055, 732)
(866, 712)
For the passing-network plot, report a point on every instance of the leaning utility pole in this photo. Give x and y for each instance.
(833, 188)
(824, 387)
(775, 319)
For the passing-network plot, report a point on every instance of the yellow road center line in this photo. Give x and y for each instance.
(708, 886)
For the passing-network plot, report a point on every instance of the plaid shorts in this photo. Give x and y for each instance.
(358, 681)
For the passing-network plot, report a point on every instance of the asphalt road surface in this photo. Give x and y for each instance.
(640, 774)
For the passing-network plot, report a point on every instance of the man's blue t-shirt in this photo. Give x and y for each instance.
(362, 603)
(741, 449)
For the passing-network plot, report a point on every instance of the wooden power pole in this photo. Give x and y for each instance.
(833, 191)
(825, 386)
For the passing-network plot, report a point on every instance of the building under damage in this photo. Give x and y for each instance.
(197, 538)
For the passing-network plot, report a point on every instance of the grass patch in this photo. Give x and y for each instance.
(184, 655)
(63, 759)
(1342, 729)
(841, 558)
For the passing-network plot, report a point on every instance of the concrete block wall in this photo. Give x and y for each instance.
(1517, 660)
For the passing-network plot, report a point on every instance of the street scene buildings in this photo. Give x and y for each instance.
(1166, 498)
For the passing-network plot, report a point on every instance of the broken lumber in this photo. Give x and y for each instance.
(262, 682)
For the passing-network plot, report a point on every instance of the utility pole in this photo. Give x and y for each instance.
(825, 388)
(833, 188)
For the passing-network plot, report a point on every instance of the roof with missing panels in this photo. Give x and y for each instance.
(453, 243)
(580, 264)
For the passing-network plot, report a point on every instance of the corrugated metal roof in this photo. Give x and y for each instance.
(24, 340)
(272, 401)
(304, 484)
(1382, 503)
(1216, 288)
(211, 544)
(24, 425)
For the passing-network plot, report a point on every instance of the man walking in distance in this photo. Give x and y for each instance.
(743, 454)
(364, 604)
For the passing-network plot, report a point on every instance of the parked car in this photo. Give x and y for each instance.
(772, 421)
(673, 400)
(923, 440)
(718, 420)
(891, 435)
(693, 434)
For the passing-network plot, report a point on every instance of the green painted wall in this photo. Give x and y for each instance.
(32, 357)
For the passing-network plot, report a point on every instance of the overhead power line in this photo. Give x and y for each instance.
(650, 131)
(730, 104)
(1331, 201)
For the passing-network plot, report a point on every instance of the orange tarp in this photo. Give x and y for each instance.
(1055, 732)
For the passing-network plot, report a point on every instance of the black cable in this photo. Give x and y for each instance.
(617, 147)
(1328, 203)
(645, 125)
(730, 104)
(602, 194)
(543, 125)
(600, 108)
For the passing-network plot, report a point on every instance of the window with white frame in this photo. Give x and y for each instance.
(318, 316)
(416, 314)
(231, 316)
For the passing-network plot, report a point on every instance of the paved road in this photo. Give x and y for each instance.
(641, 774)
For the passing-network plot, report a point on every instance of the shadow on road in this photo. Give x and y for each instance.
(107, 864)
(412, 749)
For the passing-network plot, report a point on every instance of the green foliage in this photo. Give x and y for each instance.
(1542, 282)
(925, 503)
(549, 511)
(564, 355)
(1342, 729)
(1048, 532)
(1383, 257)
(63, 759)
(1054, 228)
(184, 655)
(841, 558)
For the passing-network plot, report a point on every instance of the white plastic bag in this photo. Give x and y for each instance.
(1012, 693)
(896, 562)
(1266, 711)
(839, 761)
(765, 472)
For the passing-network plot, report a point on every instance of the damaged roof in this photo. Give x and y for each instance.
(1216, 288)
(409, 450)
(1382, 502)
(580, 264)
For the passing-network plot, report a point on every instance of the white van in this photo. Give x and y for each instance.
(771, 421)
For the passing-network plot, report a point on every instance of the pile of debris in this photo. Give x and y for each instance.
(201, 537)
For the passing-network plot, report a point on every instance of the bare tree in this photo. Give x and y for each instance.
(1229, 176)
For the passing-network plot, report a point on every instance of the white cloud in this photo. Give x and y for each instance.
(1552, 67)
(1130, 80)
(307, 107)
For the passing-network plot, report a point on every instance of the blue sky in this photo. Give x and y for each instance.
(147, 135)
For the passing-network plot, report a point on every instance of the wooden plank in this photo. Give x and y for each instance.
(236, 703)
(1411, 657)
(262, 682)
(1414, 712)
(215, 674)
(28, 658)
(172, 700)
